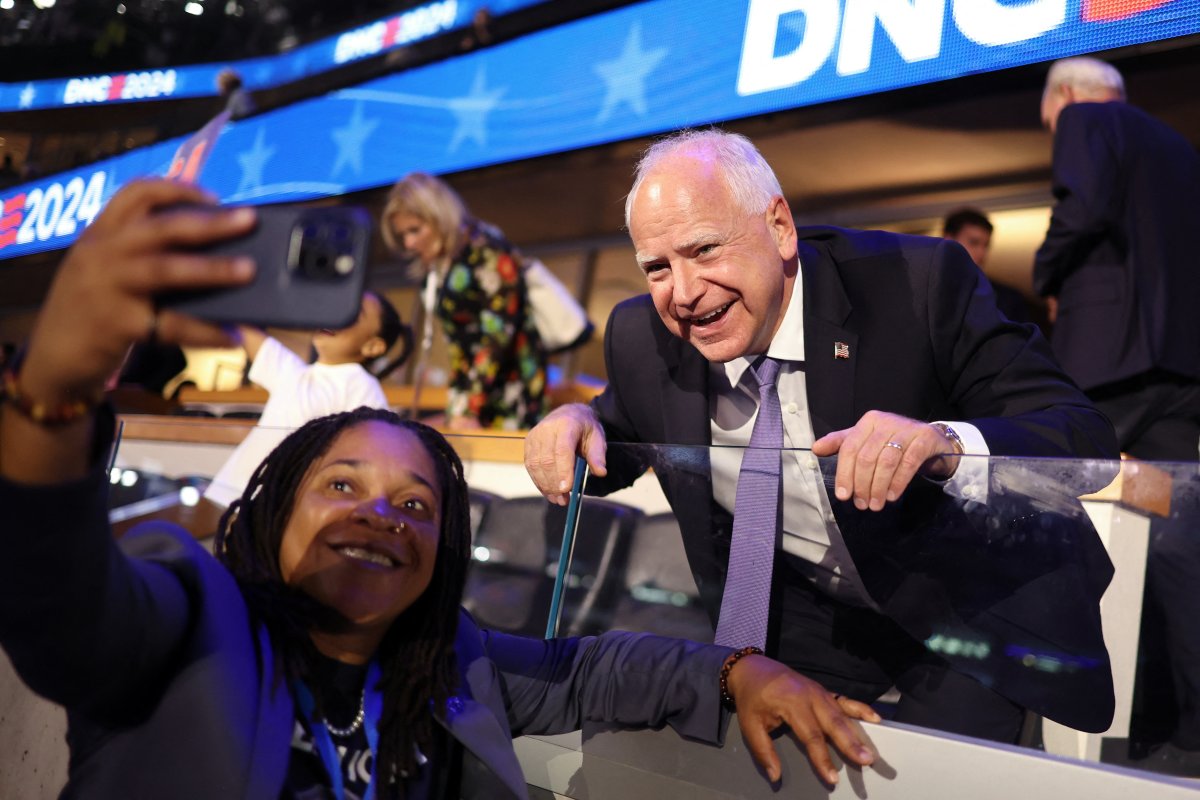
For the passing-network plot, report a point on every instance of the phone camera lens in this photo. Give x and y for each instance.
(326, 248)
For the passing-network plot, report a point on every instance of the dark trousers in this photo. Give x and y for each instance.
(861, 654)
(1157, 417)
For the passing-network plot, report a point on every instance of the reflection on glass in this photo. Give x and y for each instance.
(999, 574)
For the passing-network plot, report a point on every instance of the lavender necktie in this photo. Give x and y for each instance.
(746, 602)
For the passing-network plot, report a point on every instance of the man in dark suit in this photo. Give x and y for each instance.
(875, 334)
(1119, 260)
(1119, 265)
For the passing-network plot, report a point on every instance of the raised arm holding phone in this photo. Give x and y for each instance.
(336, 586)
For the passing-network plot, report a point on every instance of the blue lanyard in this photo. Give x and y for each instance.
(372, 707)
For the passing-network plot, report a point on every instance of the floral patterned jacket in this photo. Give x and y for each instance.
(497, 362)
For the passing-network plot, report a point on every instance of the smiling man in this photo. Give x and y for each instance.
(886, 350)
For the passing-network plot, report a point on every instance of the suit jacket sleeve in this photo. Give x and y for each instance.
(85, 625)
(630, 374)
(1001, 376)
(553, 686)
(1085, 181)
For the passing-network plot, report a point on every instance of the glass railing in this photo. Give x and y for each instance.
(1065, 585)
(1029, 575)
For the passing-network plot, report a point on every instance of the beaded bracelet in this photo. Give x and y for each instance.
(50, 416)
(734, 657)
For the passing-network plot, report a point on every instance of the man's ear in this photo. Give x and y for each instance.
(782, 226)
(374, 347)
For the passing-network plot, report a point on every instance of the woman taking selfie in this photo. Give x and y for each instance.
(323, 653)
(478, 293)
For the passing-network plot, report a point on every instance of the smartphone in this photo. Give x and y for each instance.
(312, 264)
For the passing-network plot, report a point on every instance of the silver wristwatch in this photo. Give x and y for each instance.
(955, 440)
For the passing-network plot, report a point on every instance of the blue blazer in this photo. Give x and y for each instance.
(171, 692)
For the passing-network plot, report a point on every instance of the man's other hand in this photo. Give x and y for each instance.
(553, 444)
(880, 455)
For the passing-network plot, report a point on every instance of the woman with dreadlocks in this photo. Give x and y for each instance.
(323, 652)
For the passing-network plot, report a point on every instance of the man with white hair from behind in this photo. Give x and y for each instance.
(1119, 267)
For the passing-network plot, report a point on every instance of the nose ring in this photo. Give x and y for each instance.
(397, 528)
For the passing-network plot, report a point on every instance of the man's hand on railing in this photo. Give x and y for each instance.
(551, 447)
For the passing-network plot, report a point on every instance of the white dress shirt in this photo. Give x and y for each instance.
(810, 532)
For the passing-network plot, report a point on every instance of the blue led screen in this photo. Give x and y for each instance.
(602, 79)
(405, 28)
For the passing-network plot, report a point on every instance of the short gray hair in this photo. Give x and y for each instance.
(749, 177)
(1091, 77)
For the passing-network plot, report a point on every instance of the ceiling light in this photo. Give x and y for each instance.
(191, 8)
(43, 3)
(6, 4)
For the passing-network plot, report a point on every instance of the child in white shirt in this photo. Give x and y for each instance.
(337, 381)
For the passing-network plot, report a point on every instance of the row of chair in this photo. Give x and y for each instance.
(628, 569)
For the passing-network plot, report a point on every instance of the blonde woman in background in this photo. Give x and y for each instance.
(476, 289)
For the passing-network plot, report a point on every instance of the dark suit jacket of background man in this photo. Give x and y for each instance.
(1122, 253)
(926, 341)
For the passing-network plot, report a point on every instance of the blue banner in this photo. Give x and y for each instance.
(602, 79)
(376, 38)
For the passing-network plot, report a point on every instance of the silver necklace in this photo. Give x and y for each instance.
(343, 733)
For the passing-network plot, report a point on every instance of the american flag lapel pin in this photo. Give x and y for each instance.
(841, 350)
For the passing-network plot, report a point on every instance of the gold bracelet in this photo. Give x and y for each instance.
(45, 414)
(734, 657)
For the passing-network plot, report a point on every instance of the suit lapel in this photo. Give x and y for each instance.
(683, 387)
(830, 345)
(475, 714)
(476, 727)
(272, 747)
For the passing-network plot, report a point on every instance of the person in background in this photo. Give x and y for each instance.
(475, 287)
(886, 350)
(237, 101)
(480, 32)
(1118, 267)
(9, 174)
(323, 652)
(7, 349)
(971, 228)
(337, 381)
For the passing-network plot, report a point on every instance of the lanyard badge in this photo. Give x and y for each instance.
(372, 707)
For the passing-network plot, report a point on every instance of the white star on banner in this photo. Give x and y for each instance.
(350, 139)
(253, 160)
(472, 112)
(625, 76)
